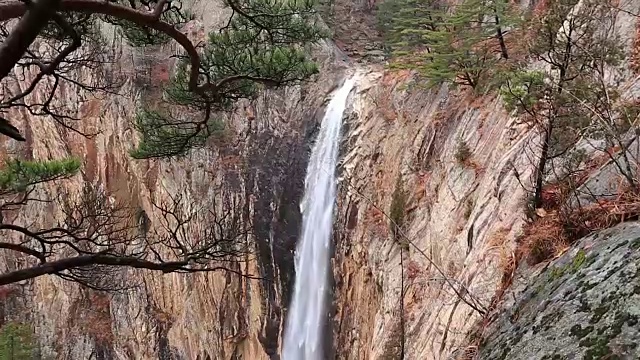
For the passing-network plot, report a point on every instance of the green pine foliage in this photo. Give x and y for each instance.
(17, 342)
(575, 96)
(569, 41)
(565, 40)
(165, 136)
(18, 175)
(266, 46)
(459, 44)
(522, 90)
(403, 23)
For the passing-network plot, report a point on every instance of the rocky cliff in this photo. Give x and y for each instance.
(453, 209)
(458, 161)
(258, 165)
(584, 305)
(456, 158)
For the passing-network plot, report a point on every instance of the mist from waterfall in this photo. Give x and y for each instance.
(303, 336)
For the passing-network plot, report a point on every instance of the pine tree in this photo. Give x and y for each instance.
(571, 100)
(16, 342)
(18, 175)
(403, 23)
(263, 44)
(449, 44)
(62, 46)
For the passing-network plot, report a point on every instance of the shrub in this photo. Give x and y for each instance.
(463, 152)
(398, 206)
(521, 90)
(16, 342)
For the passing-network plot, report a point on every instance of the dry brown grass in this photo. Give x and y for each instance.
(558, 224)
(543, 239)
(603, 214)
(475, 336)
(499, 246)
(550, 234)
(507, 261)
(634, 59)
(468, 353)
(498, 239)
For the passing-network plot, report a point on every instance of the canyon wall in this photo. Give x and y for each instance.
(457, 157)
(460, 215)
(259, 164)
(461, 163)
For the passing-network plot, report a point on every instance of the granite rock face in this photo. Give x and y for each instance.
(584, 305)
(460, 216)
(259, 165)
(459, 159)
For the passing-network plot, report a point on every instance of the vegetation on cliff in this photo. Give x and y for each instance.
(261, 45)
(445, 44)
(571, 96)
(48, 48)
(17, 175)
(563, 71)
(17, 342)
(96, 237)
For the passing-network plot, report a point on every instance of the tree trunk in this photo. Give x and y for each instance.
(25, 32)
(537, 200)
(500, 37)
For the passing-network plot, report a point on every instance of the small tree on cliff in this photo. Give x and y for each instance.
(459, 44)
(17, 342)
(570, 101)
(45, 44)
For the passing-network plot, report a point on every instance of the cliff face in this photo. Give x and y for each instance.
(259, 165)
(583, 305)
(462, 162)
(459, 219)
(457, 158)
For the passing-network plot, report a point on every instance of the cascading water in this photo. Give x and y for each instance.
(306, 317)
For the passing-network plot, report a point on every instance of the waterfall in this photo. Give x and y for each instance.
(306, 317)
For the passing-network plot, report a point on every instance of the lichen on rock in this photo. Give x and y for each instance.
(584, 305)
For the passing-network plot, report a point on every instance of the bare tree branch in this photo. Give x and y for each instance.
(36, 16)
(96, 237)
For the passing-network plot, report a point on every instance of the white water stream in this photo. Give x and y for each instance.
(303, 337)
